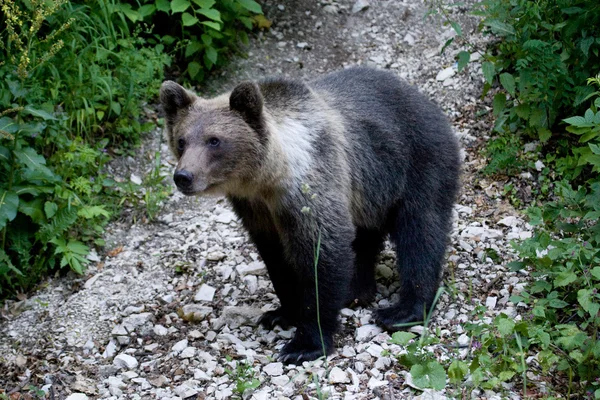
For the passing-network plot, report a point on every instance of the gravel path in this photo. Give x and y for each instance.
(169, 311)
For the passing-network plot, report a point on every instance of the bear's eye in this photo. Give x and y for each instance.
(214, 142)
(181, 144)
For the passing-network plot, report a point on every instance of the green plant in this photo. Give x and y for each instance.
(562, 325)
(73, 79)
(197, 33)
(548, 50)
(244, 377)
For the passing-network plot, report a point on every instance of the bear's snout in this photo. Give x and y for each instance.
(183, 179)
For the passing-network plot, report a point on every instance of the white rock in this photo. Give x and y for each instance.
(135, 179)
(409, 39)
(359, 6)
(179, 346)
(188, 352)
(77, 396)
(185, 390)
(337, 375)
(445, 74)
(125, 361)
(110, 350)
(160, 330)
(251, 282)
(273, 369)
(509, 221)
(463, 340)
(254, 268)
(490, 302)
(261, 395)
(205, 293)
(375, 383)
(302, 45)
(116, 382)
(366, 332)
(539, 165)
(215, 256)
(195, 312)
(429, 394)
(281, 380)
(226, 217)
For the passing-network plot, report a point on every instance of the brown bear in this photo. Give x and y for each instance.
(320, 174)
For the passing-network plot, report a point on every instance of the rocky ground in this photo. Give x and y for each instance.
(169, 310)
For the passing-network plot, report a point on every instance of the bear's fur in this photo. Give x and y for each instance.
(333, 165)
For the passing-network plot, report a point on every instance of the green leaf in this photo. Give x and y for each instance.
(544, 134)
(93, 211)
(9, 204)
(402, 338)
(147, 10)
(515, 265)
(192, 48)
(206, 39)
(457, 371)
(251, 6)
(500, 28)
(205, 3)
(33, 209)
(188, 19)
(508, 82)
(432, 375)
(78, 248)
(193, 68)
(115, 107)
(585, 44)
(505, 326)
(38, 113)
(538, 118)
(584, 297)
(596, 272)
(4, 154)
(463, 59)
(211, 13)
(577, 121)
(50, 209)
(163, 5)
(499, 103)
(488, 71)
(30, 158)
(448, 43)
(556, 303)
(564, 278)
(212, 54)
(213, 25)
(456, 28)
(178, 6)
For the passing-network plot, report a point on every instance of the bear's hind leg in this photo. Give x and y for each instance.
(420, 238)
(367, 246)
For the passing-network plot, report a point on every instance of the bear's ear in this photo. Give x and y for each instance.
(247, 100)
(174, 97)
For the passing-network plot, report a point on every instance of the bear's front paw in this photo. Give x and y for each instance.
(401, 315)
(276, 317)
(305, 347)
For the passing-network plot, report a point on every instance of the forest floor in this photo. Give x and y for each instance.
(169, 310)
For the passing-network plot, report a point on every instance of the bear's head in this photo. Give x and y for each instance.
(220, 142)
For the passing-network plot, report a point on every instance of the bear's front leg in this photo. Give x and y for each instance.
(319, 248)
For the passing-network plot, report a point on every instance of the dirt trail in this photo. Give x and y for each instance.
(118, 332)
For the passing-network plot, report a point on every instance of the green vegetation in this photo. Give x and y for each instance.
(74, 76)
(539, 71)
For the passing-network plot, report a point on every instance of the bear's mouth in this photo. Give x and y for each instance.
(196, 191)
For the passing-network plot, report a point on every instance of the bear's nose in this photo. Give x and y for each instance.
(183, 179)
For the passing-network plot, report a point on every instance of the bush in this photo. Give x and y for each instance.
(71, 83)
(198, 33)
